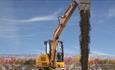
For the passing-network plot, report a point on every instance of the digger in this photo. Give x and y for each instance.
(54, 56)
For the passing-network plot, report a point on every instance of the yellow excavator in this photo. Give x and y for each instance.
(54, 56)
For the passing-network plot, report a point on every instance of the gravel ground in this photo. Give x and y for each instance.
(67, 67)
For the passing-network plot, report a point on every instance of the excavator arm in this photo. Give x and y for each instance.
(63, 21)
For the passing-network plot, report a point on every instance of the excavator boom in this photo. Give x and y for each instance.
(62, 23)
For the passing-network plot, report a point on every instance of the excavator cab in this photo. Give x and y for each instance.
(59, 59)
(43, 60)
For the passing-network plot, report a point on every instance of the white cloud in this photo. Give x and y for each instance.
(7, 31)
(101, 53)
(38, 18)
(8, 27)
(10, 31)
(111, 12)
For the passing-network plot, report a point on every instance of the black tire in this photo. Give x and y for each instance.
(47, 68)
(41, 69)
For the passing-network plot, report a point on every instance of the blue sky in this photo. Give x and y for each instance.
(26, 24)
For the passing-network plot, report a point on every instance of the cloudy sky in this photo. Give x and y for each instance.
(26, 24)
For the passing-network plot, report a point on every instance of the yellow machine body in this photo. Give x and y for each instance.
(43, 60)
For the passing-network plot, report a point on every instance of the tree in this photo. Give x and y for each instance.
(84, 37)
(19, 61)
(29, 62)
